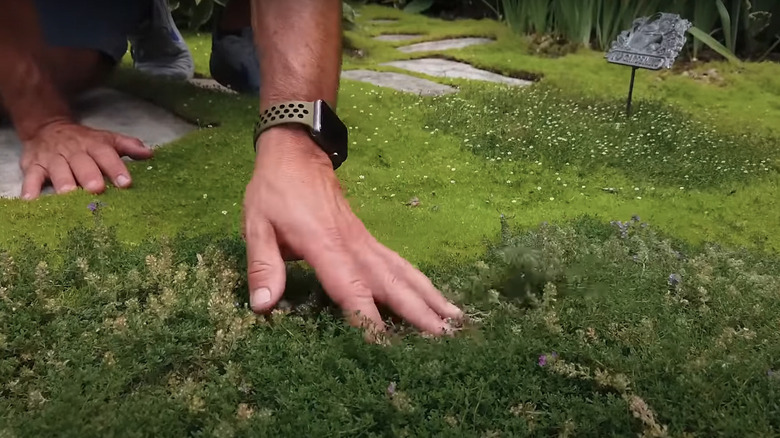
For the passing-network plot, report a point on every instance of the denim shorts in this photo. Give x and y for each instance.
(101, 25)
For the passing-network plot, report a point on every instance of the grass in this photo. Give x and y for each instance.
(652, 327)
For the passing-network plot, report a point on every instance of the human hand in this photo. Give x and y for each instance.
(294, 209)
(71, 155)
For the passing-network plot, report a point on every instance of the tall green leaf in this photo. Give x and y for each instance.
(418, 6)
(713, 44)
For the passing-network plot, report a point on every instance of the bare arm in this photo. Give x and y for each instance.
(294, 206)
(28, 93)
(300, 49)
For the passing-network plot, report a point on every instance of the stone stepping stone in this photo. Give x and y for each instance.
(101, 108)
(448, 44)
(396, 37)
(211, 84)
(399, 81)
(452, 69)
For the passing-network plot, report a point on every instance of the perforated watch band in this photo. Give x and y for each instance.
(287, 112)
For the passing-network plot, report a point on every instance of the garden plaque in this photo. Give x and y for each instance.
(652, 43)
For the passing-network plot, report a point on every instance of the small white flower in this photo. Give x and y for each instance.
(149, 168)
(514, 201)
(362, 177)
(205, 196)
(392, 195)
(224, 211)
(452, 181)
(539, 188)
(552, 199)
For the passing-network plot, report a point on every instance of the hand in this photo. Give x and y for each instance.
(68, 154)
(294, 208)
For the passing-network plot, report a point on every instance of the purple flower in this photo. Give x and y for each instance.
(674, 280)
(391, 389)
(95, 206)
(542, 360)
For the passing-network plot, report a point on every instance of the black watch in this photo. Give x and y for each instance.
(325, 127)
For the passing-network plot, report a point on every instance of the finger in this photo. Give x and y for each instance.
(398, 294)
(344, 284)
(266, 270)
(131, 147)
(87, 173)
(112, 166)
(361, 312)
(34, 178)
(60, 175)
(421, 284)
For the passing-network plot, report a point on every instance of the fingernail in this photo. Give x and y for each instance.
(27, 197)
(122, 181)
(68, 188)
(260, 297)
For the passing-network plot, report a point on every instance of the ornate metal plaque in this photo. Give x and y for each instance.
(652, 42)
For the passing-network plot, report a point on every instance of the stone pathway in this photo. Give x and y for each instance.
(101, 109)
(400, 82)
(396, 37)
(453, 69)
(429, 66)
(448, 44)
(211, 84)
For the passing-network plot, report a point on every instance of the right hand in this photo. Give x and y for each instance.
(71, 155)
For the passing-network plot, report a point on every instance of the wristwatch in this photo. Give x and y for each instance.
(325, 127)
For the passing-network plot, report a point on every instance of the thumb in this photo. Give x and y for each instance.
(266, 270)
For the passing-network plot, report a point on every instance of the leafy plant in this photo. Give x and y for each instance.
(528, 16)
(418, 6)
(713, 44)
(195, 13)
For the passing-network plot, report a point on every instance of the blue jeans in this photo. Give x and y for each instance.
(101, 25)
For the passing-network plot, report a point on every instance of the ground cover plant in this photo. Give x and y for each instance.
(580, 242)
(582, 329)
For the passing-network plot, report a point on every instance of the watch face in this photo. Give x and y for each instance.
(330, 132)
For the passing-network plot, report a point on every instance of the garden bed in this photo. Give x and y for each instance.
(621, 276)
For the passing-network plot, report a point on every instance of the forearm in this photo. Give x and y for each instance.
(27, 91)
(300, 49)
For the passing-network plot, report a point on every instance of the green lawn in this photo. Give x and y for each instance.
(580, 327)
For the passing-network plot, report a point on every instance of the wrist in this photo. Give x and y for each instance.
(28, 128)
(292, 141)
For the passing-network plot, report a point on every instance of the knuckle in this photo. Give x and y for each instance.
(260, 268)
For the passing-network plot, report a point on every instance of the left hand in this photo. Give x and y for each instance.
(294, 207)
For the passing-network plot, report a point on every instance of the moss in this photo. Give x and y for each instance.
(195, 184)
